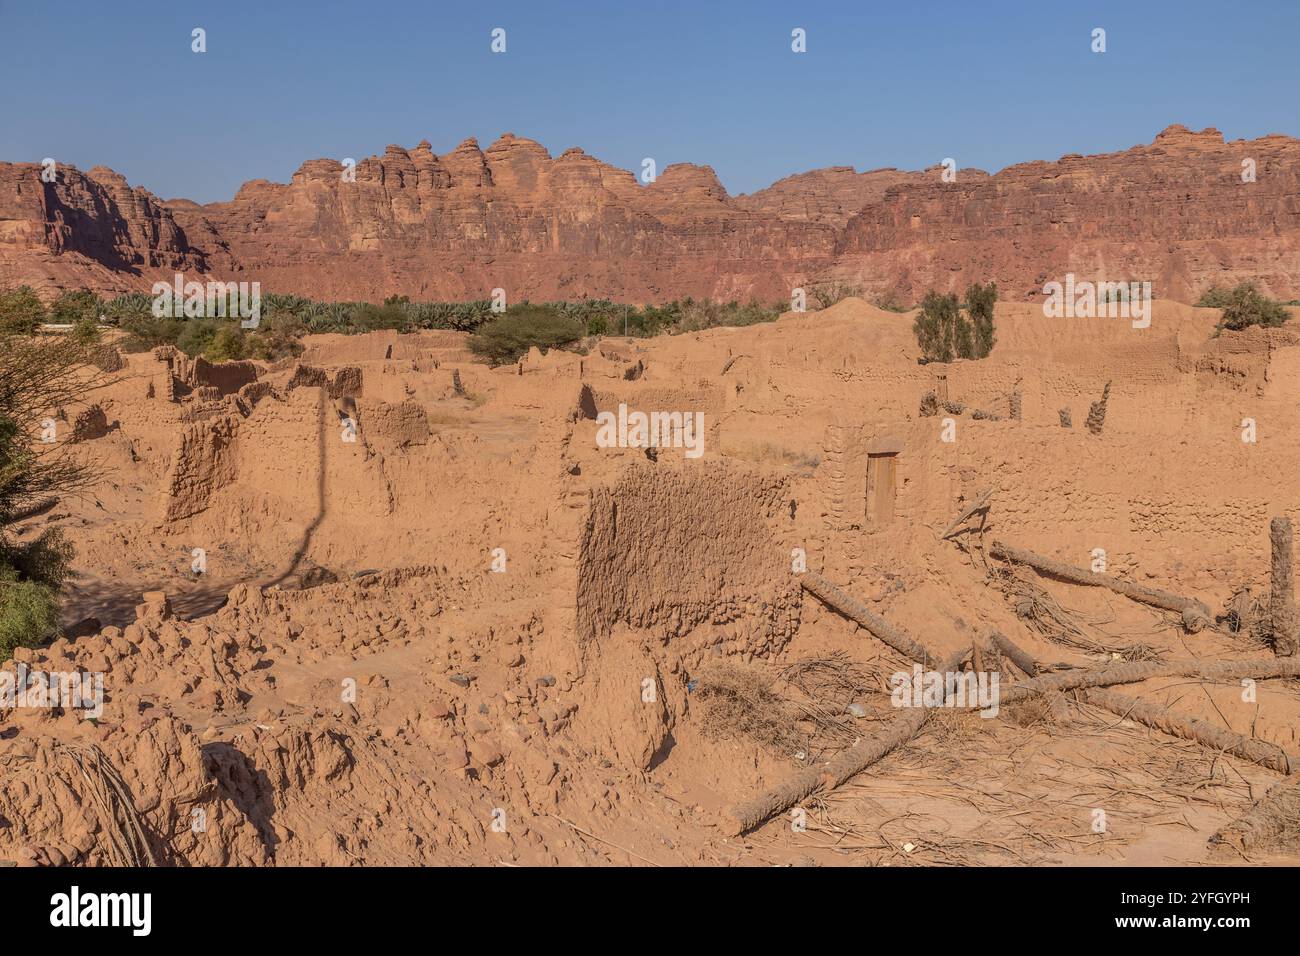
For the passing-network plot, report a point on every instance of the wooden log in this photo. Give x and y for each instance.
(1207, 734)
(846, 765)
(1275, 816)
(1014, 653)
(1217, 738)
(1023, 660)
(1132, 673)
(1195, 614)
(1282, 612)
(855, 610)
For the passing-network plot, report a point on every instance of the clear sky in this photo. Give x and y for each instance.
(907, 83)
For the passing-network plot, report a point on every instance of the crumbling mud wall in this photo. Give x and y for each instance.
(671, 549)
(398, 424)
(348, 382)
(90, 424)
(203, 462)
(195, 373)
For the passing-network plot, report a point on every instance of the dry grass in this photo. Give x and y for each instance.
(738, 700)
(769, 454)
(820, 690)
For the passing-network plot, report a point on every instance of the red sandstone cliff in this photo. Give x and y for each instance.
(457, 225)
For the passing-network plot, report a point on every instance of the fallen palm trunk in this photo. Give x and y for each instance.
(1023, 660)
(1228, 741)
(1283, 616)
(750, 814)
(1135, 672)
(1014, 653)
(852, 608)
(124, 830)
(1273, 819)
(33, 509)
(1189, 728)
(1195, 614)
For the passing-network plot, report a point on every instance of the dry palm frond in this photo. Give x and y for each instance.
(1037, 608)
(128, 844)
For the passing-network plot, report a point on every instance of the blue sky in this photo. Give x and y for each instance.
(882, 84)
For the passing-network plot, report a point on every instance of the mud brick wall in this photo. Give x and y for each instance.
(204, 461)
(674, 548)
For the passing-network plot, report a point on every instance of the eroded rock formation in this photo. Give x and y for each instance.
(1177, 212)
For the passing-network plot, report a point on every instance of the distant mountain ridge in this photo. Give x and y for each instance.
(456, 226)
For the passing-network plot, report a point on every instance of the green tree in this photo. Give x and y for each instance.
(980, 300)
(36, 377)
(1244, 306)
(144, 332)
(227, 344)
(375, 318)
(72, 307)
(21, 311)
(278, 338)
(511, 334)
(936, 325)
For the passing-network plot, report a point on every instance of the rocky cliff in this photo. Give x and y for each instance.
(455, 226)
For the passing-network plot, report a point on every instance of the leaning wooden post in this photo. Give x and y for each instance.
(1281, 596)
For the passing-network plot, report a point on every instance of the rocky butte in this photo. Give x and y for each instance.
(1177, 212)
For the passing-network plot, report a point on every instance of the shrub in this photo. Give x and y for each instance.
(511, 334)
(936, 327)
(73, 307)
(21, 311)
(29, 613)
(86, 332)
(144, 332)
(277, 338)
(1244, 306)
(980, 300)
(944, 333)
(227, 344)
(827, 294)
(196, 335)
(1213, 298)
